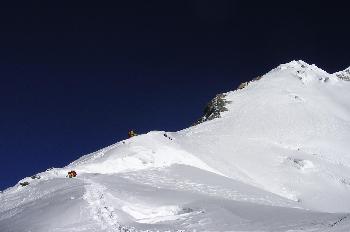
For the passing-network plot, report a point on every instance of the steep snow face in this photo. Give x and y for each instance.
(287, 133)
(278, 149)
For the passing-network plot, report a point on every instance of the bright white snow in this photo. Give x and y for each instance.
(277, 160)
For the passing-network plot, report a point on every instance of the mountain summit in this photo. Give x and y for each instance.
(272, 155)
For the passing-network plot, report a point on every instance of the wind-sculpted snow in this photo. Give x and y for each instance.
(277, 159)
(152, 150)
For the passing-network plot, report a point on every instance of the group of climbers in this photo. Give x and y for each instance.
(72, 174)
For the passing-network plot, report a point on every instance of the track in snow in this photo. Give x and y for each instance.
(100, 209)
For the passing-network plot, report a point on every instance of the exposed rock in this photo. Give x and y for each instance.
(35, 177)
(24, 183)
(214, 108)
(344, 75)
(218, 104)
(243, 85)
(257, 78)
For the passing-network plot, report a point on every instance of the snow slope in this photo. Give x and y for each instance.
(277, 160)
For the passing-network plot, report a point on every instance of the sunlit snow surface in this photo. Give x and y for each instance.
(277, 160)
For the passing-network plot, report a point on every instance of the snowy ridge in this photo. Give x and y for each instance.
(138, 153)
(276, 159)
(344, 75)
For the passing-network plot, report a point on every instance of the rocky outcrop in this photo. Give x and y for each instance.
(218, 104)
(344, 75)
(214, 108)
(243, 85)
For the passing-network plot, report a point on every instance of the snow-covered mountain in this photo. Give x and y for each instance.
(273, 155)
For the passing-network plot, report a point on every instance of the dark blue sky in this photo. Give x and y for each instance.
(76, 78)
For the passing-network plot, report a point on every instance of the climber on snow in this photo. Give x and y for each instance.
(131, 133)
(72, 174)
